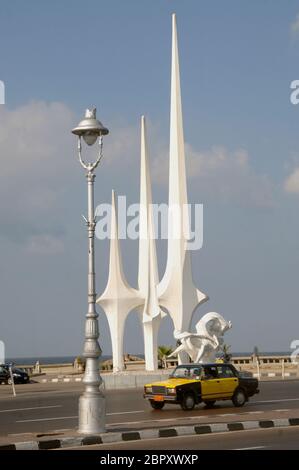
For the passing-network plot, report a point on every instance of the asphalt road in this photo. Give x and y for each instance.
(266, 439)
(43, 408)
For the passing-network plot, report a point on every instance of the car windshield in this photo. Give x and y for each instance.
(187, 372)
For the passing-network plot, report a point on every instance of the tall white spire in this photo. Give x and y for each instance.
(177, 292)
(177, 170)
(148, 269)
(118, 298)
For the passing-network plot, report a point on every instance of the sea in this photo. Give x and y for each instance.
(46, 360)
(70, 359)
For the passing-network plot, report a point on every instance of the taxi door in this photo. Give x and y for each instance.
(229, 382)
(210, 389)
(210, 384)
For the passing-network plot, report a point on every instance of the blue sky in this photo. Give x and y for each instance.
(237, 61)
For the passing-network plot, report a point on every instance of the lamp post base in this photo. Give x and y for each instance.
(92, 413)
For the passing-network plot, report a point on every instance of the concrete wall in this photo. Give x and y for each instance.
(131, 380)
(136, 376)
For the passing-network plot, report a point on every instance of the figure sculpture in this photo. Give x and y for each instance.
(203, 345)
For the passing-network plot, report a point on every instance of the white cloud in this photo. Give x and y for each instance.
(291, 184)
(34, 136)
(44, 244)
(222, 175)
(35, 160)
(38, 162)
(295, 26)
(122, 146)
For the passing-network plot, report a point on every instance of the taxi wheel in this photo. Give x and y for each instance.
(239, 397)
(210, 403)
(188, 402)
(157, 405)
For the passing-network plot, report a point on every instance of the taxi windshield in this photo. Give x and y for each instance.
(186, 372)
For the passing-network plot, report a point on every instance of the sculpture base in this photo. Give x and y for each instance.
(92, 413)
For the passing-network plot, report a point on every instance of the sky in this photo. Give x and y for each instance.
(237, 61)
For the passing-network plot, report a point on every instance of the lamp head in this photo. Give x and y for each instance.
(90, 128)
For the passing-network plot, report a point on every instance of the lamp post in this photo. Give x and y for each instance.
(92, 401)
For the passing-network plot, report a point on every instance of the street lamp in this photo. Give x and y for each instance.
(92, 402)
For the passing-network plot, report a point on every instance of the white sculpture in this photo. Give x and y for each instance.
(176, 293)
(203, 345)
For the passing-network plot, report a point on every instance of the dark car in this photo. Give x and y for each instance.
(19, 375)
(4, 376)
(191, 384)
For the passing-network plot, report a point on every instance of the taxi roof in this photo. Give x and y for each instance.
(208, 364)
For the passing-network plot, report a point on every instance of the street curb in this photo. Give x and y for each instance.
(177, 431)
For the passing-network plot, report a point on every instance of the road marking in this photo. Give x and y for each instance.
(254, 412)
(71, 417)
(61, 391)
(227, 414)
(280, 411)
(274, 401)
(31, 408)
(62, 430)
(147, 420)
(178, 419)
(156, 421)
(45, 419)
(125, 412)
(251, 448)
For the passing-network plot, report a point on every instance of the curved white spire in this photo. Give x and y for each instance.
(177, 292)
(148, 277)
(148, 268)
(118, 298)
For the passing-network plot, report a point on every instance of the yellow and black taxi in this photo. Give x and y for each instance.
(191, 384)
